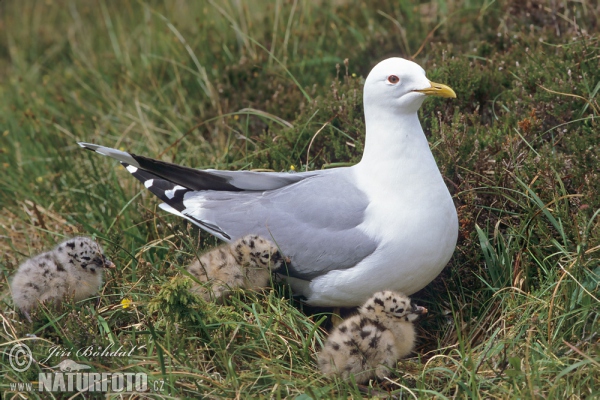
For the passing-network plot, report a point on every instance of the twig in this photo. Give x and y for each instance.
(590, 103)
(551, 307)
(429, 35)
(175, 143)
(576, 350)
(314, 136)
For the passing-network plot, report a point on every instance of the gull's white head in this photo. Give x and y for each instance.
(400, 85)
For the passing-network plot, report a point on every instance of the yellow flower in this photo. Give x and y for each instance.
(126, 303)
(236, 117)
(39, 179)
(293, 167)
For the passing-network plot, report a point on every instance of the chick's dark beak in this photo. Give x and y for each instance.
(106, 263)
(418, 309)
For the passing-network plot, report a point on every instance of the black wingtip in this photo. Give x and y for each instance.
(190, 178)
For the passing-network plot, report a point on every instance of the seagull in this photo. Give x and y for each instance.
(246, 263)
(385, 223)
(73, 268)
(368, 344)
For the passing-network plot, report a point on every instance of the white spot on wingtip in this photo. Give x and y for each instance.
(131, 169)
(149, 183)
(171, 193)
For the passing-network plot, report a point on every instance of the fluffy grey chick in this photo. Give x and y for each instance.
(368, 344)
(73, 268)
(246, 263)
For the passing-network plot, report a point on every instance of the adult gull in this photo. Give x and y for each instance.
(386, 223)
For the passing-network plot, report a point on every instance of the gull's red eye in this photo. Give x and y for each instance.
(393, 79)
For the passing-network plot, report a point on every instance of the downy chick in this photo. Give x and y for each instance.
(367, 345)
(73, 268)
(246, 263)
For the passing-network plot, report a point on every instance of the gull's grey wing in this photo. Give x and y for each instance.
(315, 222)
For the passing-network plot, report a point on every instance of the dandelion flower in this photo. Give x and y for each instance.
(126, 303)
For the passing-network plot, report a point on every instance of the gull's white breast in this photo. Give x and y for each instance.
(410, 214)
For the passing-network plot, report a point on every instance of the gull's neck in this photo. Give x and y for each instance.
(395, 143)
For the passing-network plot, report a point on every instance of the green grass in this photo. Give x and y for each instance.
(238, 85)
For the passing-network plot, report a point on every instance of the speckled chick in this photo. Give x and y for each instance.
(73, 268)
(367, 345)
(246, 263)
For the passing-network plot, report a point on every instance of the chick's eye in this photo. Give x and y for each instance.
(393, 79)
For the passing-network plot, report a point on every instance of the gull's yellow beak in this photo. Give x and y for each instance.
(437, 89)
